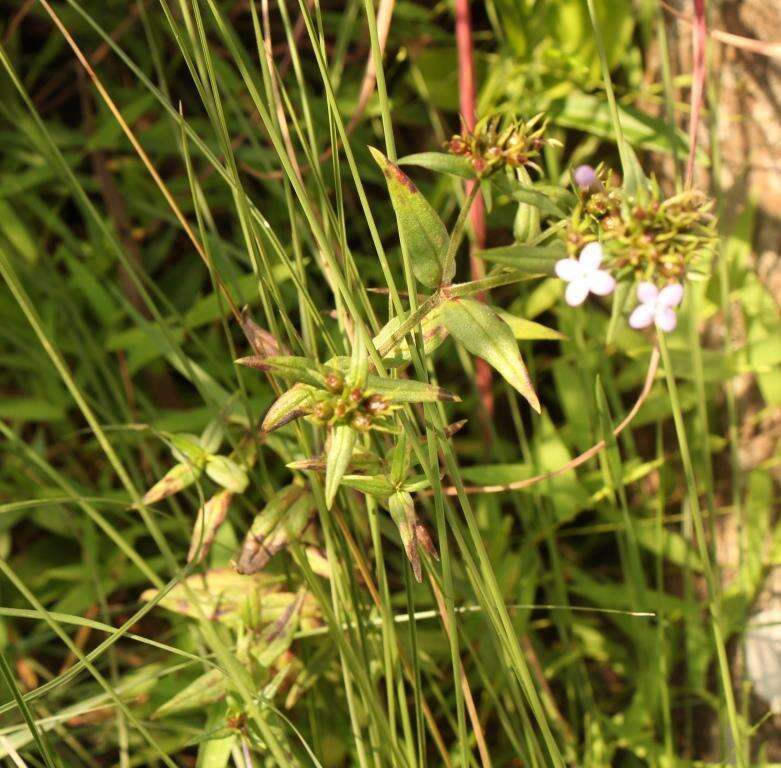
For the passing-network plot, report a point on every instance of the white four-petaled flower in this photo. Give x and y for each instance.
(584, 275)
(657, 307)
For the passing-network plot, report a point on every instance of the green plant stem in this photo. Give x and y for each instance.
(458, 232)
(714, 604)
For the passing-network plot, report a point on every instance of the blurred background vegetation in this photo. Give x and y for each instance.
(106, 308)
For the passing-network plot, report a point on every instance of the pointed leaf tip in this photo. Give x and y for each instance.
(338, 456)
(483, 333)
(421, 231)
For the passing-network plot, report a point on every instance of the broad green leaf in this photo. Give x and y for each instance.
(359, 361)
(221, 594)
(539, 197)
(290, 405)
(441, 162)
(212, 436)
(188, 449)
(215, 753)
(339, 452)
(590, 113)
(484, 333)
(421, 231)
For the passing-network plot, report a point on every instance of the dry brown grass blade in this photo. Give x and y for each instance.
(482, 747)
(363, 569)
(384, 17)
(169, 198)
(653, 366)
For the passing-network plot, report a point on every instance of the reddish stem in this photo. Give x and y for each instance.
(467, 101)
(699, 35)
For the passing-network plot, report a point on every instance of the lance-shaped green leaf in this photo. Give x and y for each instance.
(359, 361)
(278, 635)
(206, 689)
(318, 561)
(188, 449)
(401, 459)
(413, 533)
(434, 333)
(177, 478)
(210, 517)
(227, 473)
(282, 520)
(528, 330)
(402, 509)
(421, 231)
(371, 485)
(338, 455)
(441, 162)
(485, 334)
(297, 369)
(289, 406)
(408, 390)
(212, 436)
(529, 259)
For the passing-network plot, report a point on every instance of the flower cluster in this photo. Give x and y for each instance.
(613, 237)
(646, 237)
(490, 147)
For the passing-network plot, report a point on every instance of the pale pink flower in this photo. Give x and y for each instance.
(584, 275)
(586, 178)
(657, 307)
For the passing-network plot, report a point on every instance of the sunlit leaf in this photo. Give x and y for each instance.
(485, 334)
(421, 231)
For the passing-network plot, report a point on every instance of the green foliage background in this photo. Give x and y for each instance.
(580, 610)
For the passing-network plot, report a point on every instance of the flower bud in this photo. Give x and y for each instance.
(334, 381)
(585, 177)
(457, 145)
(376, 404)
(323, 411)
(361, 422)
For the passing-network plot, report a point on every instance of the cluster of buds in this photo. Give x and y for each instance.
(646, 237)
(327, 396)
(657, 242)
(343, 404)
(489, 147)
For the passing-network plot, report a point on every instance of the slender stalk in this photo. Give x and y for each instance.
(714, 604)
